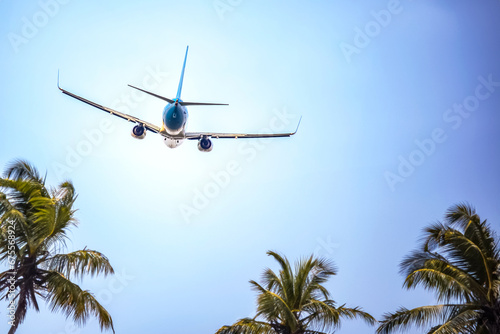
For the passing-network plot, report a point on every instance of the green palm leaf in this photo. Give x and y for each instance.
(80, 263)
(34, 222)
(247, 326)
(459, 261)
(74, 302)
(295, 301)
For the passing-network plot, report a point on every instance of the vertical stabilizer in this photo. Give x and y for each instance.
(178, 96)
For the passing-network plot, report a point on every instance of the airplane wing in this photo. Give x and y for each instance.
(198, 135)
(148, 126)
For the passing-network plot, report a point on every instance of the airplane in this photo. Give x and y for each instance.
(174, 120)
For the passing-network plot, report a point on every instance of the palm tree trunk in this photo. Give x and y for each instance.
(19, 314)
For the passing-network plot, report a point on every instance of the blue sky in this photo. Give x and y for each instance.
(400, 115)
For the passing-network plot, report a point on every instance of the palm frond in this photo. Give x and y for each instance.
(463, 319)
(356, 312)
(324, 316)
(74, 302)
(273, 282)
(247, 326)
(22, 169)
(39, 218)
(319, 273)
(448, 281)
(79, 263)
(459, 261)
(404, 318)
(296, 301)
(274, 308)
(286, 274)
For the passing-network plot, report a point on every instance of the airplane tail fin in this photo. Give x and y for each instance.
(179, 89)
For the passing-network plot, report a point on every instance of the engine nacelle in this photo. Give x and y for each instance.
(139, 132)
(205, 144)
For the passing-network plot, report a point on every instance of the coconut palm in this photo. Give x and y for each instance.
(34, 222)
(295, 302)
(460, 262)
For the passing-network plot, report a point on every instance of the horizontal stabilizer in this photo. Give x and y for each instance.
(202, 104)
(182, 103)
(153, 94)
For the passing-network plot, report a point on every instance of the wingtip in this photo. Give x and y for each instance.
(58, 86)
(297, 129)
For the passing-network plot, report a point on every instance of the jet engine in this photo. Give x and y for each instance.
(205, 144)
(139, 132)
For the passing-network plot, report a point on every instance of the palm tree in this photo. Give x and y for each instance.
(295, 302)
(460, 261)
(34, 221)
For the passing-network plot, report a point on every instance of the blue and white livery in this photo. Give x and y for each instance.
(174, 120)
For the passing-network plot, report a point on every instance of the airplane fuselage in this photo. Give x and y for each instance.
(174, 119)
